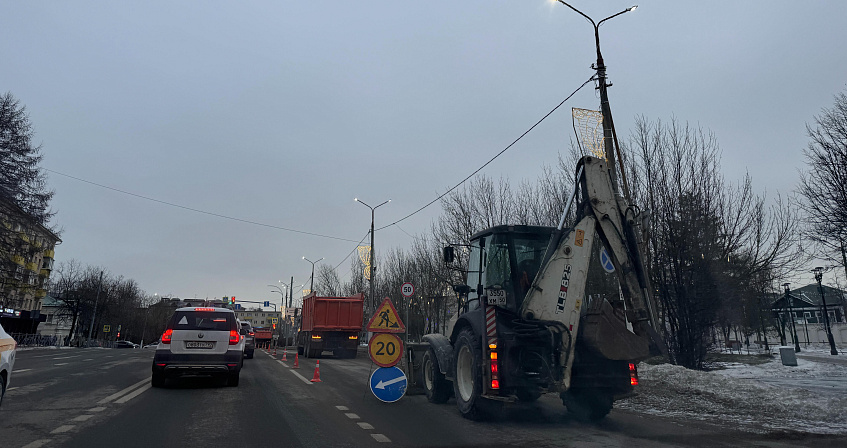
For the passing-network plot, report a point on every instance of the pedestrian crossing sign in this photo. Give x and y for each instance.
(386, 319)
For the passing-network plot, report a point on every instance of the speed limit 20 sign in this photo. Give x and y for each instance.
(385, 349)
(407, 289)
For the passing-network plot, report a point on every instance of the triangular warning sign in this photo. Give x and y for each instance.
(386, 319)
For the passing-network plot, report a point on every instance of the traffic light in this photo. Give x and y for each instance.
(233, 299)
(274, 326)
(119, 335)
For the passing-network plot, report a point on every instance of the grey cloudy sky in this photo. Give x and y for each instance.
(282, 112)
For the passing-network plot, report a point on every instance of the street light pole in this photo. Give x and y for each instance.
(605, 109)
(373, 253)
(791, 313)
(312, 284)
(819, 276)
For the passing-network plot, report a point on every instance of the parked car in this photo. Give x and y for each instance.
(200, 341)
(249, 339)
(8, 348)
(124, 344)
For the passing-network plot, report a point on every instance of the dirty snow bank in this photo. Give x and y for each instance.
(738, 398)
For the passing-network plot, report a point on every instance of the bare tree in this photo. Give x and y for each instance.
(824, 185)
(327, 282)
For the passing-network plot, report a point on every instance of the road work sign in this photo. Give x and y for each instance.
(386, 319)
(107, 328)
(385, 349)
(388, 384)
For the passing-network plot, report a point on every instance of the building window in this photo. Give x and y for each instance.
(49, 318)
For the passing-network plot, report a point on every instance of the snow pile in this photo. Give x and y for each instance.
(738, 396)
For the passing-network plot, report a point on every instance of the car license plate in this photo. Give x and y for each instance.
(496, 297)
(199, 344)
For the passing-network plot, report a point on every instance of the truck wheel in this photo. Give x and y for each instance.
(299, 350)
(307, 349)
(2, 389)
(587, 405)
(436, 386)
(467, 385)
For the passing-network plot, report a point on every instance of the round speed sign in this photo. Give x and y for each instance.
(407, 289)
(385, 349)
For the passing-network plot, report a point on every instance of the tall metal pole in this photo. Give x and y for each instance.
(373, 262)
(791, 313)
(819, 277)
(94, 314)
(291, 292)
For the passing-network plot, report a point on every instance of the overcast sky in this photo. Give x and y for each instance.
(281, 112)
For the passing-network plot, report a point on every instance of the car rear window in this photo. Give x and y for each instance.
(202, 320)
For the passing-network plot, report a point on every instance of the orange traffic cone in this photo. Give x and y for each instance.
(317, 377)
(285, 355)
(274, 351)
(296, 361)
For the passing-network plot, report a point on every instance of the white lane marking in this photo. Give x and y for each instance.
(68, 357)
(364, 425)
(37, 444)
(81, 418)
(118, 394)
(342, 408)
(380, 438)
(61, 429)
(134, 394)
(60, 364)
(301, 377)
(97, 409)
(11, 389)
(21, 371)
(352, 416)
(88, 359)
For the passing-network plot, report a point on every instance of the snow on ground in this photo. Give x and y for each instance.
(810, 398)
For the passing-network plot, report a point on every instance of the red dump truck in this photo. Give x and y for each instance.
(330, 324)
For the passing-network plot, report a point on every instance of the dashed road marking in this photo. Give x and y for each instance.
(342, 408)
(97, 409)
(133, 394)
(68, 357)
(21, 371)
(60, 364)
(88, 359)
(119, 393)
(352, 416)
(380, 438)
(37, 444)
(61, 429)
(81, 418)
(364, 425)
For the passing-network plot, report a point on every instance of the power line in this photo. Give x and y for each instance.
(492, 159)
(198, 210)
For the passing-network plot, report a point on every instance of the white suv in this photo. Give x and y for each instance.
(199, 341)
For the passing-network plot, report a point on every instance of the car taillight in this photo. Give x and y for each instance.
(633, 375)
(495, 368)
(234, 337)
(251, 333)
(166, 336)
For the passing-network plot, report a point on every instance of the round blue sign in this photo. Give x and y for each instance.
(606, 261)
(388, 384)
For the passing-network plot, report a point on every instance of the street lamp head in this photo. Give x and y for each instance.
(304, 258)
(632, 8)
(785, 285)
(356, 199)
(818, 273)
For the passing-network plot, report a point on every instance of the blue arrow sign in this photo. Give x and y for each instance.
(388, 384)
(606, 261)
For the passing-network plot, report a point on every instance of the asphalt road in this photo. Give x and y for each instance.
(102, 397)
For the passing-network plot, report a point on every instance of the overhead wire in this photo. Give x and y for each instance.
(247, 221)
(592, 78)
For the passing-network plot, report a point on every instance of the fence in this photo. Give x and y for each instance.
(36, 340)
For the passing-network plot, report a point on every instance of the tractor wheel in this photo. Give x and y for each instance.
(436, 386)
(588, 405)
(467, 383)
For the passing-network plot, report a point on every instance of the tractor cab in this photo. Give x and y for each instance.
(503, 261)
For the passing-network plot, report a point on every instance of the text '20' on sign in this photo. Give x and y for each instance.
(385, 349)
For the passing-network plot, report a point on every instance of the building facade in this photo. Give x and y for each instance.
(27, 251)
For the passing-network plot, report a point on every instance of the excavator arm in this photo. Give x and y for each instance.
(558, 293)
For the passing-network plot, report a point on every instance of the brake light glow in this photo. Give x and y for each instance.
(353, 337)
(633, 375)
(234, 337)
(166, 336)
(315, 337)
(495, 370)
(204, 309)
(251, 333)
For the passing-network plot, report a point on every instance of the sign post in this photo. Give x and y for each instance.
(408, 290)
(388, 383)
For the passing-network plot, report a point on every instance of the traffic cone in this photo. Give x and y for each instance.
(296, 361)
(274, 350)
(285, 355)
(317, 377)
